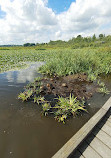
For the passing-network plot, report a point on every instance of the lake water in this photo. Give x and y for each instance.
(24, 132)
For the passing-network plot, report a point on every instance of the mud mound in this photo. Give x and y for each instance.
(63, 86)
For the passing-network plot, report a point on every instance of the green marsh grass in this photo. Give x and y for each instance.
(67, 62)
(61, 62)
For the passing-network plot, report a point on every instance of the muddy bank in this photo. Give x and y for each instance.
(78, 85)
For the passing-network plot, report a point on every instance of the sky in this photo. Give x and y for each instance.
(59, 6)
(38, 21)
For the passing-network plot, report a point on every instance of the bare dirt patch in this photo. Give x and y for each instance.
(78, 85)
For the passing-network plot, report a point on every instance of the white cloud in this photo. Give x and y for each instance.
(33, 21)
(85, 16)
(25, 21)
(58, 34)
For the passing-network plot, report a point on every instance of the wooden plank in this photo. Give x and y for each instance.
(103, 122)
(106, 139)
(99, 147)
(76, 154)
(108, 123)
(87, 151)
(73, 143)
(109, 114)
(106, 129)
(109, 117)
(107, 105)
(109, 120)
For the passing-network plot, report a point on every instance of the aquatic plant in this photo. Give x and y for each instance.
(25, 95)
(100, 83)
(39, 99)
(67, 107)
(37, 79)
(22, 96)
(37, 91)
(102, 88)
(28, 85)
(92, 76)
(46, 107)
(39, 83)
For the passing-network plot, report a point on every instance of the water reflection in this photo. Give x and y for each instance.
(9, 76)
(24, 75)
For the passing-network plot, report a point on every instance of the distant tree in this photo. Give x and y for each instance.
(29, 44)
(108, 38)
(89, 39)
(85, 39)
(79, 36)
(94, 37)
(71, 41)
(101, 36)
(32, 44)
(51, 42)
(42, 43)
(26, 44)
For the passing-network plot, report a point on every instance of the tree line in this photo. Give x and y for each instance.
(76, 42)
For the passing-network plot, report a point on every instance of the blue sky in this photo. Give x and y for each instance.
(2, 13)
(59, 6)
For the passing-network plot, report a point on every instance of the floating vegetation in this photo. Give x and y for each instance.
(46, 108)
(68, 107)
(102, 88)
(92, 76)
(39, 99)
(101, 84)
(37, 79)
(25, 95)
(31, 89)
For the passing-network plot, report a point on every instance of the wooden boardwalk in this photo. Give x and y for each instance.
(98, 143)
(93, 140)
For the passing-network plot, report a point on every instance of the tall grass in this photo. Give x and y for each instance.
(91, 61)
(60, 62)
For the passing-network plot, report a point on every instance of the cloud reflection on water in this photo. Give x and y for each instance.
(24, 75)
(9, 76)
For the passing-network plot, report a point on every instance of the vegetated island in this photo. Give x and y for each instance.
(63, 97)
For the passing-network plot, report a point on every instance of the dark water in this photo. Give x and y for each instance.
(24, 133)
